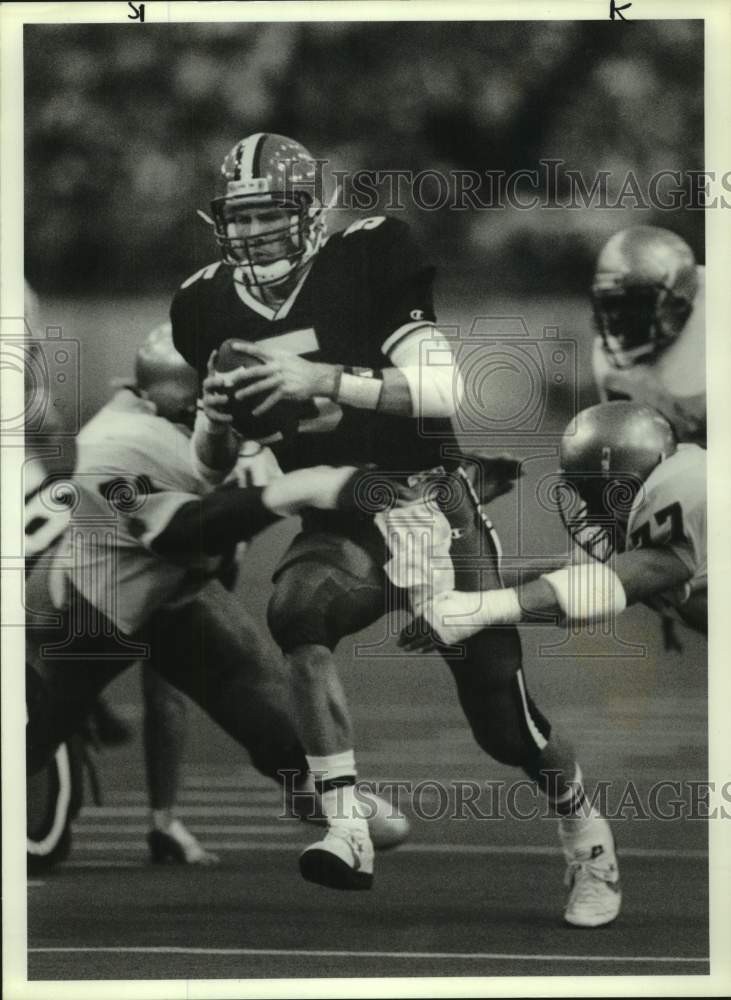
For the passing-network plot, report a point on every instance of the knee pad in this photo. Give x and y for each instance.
(318, 604)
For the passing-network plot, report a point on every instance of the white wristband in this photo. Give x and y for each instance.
(588, 592)
(358, 391)
(457, 615)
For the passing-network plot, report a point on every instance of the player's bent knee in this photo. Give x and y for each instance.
(293, 616)
(318, 605)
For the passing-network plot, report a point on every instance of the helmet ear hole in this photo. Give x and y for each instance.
(673, 314)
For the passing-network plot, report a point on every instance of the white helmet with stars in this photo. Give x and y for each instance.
(268, 170)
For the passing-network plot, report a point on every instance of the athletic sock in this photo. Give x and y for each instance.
(334, 778)
(574, 810)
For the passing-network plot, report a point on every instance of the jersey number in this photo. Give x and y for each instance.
(673, 513)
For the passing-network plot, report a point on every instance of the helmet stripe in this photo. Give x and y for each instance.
(239, 154)
(252, 154)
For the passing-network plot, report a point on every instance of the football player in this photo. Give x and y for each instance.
(342, 330)
(634, 500)
(125, 578)
(648, 296)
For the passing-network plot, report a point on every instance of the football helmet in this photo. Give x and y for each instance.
(263, 171)
(163, 376)
(643, 290)
(607, 453)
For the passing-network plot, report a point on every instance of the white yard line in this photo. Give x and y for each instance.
(496, 850)
(87, 829)
(319, 953)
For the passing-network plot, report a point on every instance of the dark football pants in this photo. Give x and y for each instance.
(221, 666)
(330, 583)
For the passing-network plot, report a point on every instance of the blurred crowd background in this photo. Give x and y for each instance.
(126, 127)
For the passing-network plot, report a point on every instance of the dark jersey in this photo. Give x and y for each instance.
(366, 290)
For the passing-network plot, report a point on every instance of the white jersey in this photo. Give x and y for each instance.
(673, 382)
(46, 505)
(133, 474)
(670, 512)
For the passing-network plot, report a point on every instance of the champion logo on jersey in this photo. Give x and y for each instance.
(457, 533)
(417, 314)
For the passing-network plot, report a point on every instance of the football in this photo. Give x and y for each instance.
(282, 418)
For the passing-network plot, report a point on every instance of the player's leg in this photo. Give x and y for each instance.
(239, 677)
(327, 587)
(60, 691)
(211, 656)
(503, 717)
(164, 730)
(68, 664)
(526, 738)
(109, 728)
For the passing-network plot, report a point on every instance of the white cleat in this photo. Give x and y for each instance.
(343, 859)
(592, 875)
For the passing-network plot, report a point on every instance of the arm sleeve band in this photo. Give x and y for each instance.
(588, 592)
(425, 359)
(360, 391)
(215, 523)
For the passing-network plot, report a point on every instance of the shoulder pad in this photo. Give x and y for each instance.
(381, 228)
(205, 274)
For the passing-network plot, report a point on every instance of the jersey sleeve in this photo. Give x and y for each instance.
(190, 303)
(402, 281)
(183, 329)
(142, 507)
(155, 516)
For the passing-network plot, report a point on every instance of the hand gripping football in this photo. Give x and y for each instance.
(282, 418)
